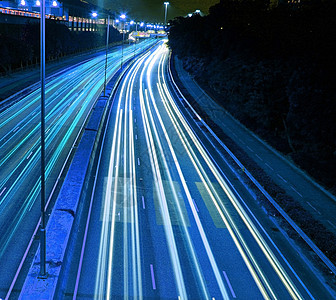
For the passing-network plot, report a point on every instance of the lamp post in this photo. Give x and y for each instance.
(107, 41)
(43, 272)
(166, 8)
(122, 17)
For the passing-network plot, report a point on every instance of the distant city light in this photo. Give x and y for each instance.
(123, 16)
(189, 15)
(23, 2)
(94, 14)
(197, 11)
(132, 22)
(141, 24)
(54, 3)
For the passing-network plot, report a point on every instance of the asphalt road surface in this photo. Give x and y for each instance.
(166, 221)
(70, 96)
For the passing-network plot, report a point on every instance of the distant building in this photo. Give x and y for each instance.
(76, 14)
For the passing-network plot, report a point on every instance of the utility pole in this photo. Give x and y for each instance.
(107, 41)
(43, 271)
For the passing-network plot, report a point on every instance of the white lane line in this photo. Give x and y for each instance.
(281, 178)
(269, 166)
(29, 155)
(143, 202)
(136, 136)
(313, 207)
(16, 129)
(296, 191)
(240, 140)
(250, 149)
(3, 190)
(234, 134)
(138, 161)
(195, 205)
(229, 284)
(134, 120)
(153, 278)
(332, 224)
(259, 157)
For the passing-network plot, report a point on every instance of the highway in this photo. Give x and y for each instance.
(70, 96)
(165, 220)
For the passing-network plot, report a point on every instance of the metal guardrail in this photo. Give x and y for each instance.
(304, 236)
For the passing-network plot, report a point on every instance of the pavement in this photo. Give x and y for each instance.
(320, 203)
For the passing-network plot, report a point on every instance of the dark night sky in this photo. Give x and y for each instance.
(153, 10)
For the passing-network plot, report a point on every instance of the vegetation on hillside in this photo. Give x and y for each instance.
(274, 70)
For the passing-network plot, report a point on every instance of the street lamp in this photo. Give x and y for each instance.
(107, 41)
(43, 272)
(122, 17)
(166, 7)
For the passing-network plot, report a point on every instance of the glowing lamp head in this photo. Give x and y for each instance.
(132, 22)
(141, 24)
(37, 3)
(123, 16)
(94, 14)
(117, 21)
(23, 2)
(54, 3)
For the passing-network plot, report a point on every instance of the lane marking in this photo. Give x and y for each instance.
(229, 284)
(3, 190)
(195, 205)
(269, 166)
(16, 129)
(332, 224)
(250, 149)
(138, 161)
(313, 207)
(134, 120)
(296, 191)
(153, 278)
(143, 202)
(282, 178)
(136, 136)
(29, 155)
(259, 157)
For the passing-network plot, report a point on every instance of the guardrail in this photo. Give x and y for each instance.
(309, 242)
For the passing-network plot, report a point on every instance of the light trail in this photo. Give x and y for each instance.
(71, 95)
(216, 199)
(123, 130)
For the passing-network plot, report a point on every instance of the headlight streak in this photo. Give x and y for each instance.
(26, 106)
(104, 278)
(187, 192)
(161, 195)
(32, 196)
(61, 105)
(208, 185)
(255, 233)
(184, 226)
